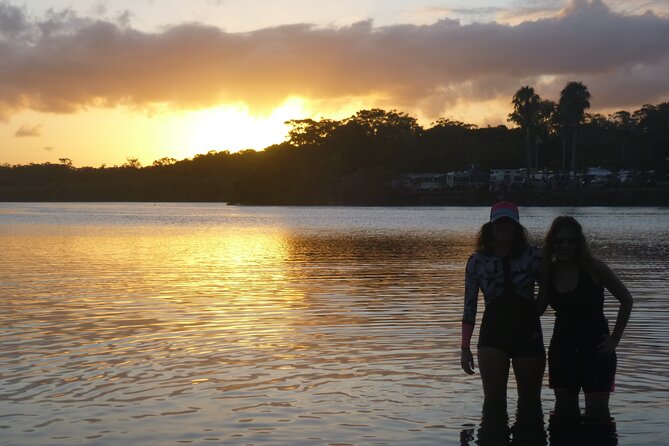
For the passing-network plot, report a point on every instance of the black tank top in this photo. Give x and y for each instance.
(579, 314)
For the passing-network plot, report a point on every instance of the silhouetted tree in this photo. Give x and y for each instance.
(65, 161)
(625, 125)
(309, 132)
(165, 161)
(132, 163)
(574, 100)
(526, 104)
(543, 126)
(354, 161)
(653, 128)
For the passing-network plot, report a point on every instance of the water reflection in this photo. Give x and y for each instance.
(161, 326)
(577, 431)
(527, 429)
(258, 329)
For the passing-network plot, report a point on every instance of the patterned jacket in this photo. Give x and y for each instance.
(486, 272)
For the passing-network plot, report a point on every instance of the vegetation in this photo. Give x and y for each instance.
(526, 113)
(570, 113)
(356, 160)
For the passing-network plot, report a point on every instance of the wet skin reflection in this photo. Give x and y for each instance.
(529, 429)
(575, 430)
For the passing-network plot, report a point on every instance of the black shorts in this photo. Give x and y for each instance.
(515, 345)
(512, 325)
(576, 369)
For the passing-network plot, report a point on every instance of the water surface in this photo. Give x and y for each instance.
(205, 323)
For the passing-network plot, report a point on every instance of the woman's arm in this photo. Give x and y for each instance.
(466, 356)
(469, 316)
(542, 295)
(541, 277)
(604, 275)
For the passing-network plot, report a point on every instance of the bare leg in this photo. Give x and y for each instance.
(565, 430)
(566, 403)
(494, 430)
(599, 427)
(597, 405)
(529, 426)
(494, 369)
(529, 372)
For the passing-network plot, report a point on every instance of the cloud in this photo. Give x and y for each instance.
(48, 149)
(26, 131)
(64, 63)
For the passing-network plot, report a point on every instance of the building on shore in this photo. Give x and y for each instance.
(475, 179)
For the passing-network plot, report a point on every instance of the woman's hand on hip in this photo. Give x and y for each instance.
(608, 345)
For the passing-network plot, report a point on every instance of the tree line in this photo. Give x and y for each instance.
(355, 160)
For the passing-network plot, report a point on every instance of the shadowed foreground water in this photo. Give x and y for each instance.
(208, 324)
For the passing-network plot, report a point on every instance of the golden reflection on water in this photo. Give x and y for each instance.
(223, 285)
(237, 333)
(187, 287)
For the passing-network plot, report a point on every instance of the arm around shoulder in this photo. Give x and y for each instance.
(542, 295)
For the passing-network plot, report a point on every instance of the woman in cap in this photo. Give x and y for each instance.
(505, 268)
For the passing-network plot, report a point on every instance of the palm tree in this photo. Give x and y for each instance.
(624, 124)
(574, 99)
(559, 127)
(543, 125)
(526, 105)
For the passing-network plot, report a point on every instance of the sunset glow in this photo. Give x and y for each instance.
(234, 128)
(156, 80)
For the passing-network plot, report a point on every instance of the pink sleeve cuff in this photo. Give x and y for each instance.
(467, 331)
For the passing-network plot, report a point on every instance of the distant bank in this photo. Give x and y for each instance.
(647, 196)
(657, 195)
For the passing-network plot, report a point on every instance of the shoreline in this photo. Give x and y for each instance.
(652, 196)
(612, 197)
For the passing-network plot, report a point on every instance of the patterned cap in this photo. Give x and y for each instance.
(504, 209)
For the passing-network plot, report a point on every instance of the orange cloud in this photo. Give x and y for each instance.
(27, 130)
(64, 62)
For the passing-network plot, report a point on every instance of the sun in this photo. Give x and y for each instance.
(234, 128)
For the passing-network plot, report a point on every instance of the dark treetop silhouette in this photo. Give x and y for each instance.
(357, 160)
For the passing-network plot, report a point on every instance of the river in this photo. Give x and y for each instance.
(213, 324)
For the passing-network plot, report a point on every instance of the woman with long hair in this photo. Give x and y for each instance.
(505, 268)
(582, 352)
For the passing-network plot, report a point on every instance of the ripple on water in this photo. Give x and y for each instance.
(135, 327)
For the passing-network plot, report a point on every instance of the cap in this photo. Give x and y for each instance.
(504, 209)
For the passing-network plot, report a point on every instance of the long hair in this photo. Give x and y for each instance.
(582, 253)
(485, 239)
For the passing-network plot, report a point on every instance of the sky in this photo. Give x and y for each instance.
(98, 82)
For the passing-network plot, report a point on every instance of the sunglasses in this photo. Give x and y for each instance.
(565, 241)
